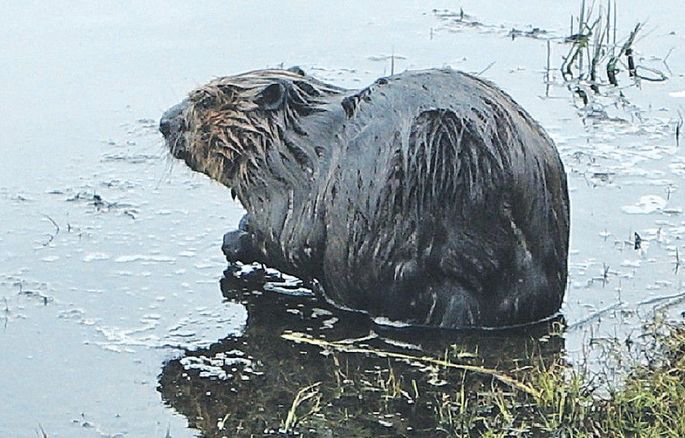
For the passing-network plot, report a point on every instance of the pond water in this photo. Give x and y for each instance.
(112, 315)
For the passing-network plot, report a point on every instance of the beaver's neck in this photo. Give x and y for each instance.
(296, 160)
(285, 185)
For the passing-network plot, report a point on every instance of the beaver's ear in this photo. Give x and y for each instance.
(272, 97)
(297, 70)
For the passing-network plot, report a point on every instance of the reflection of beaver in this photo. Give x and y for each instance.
(429, 197)
(254, 377)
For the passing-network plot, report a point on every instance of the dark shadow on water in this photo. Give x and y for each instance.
(246, 385)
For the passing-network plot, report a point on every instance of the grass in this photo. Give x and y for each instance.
(308, 395)
(542, 398)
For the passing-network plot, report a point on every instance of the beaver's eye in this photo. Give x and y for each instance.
(207, 101)
(227, 91)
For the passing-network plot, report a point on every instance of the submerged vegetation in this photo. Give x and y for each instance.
(564, 401)
(304, 369)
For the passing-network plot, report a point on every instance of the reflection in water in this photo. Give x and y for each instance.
(247, 384)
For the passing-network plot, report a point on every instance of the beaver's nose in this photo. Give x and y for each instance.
(165, 127)
(172, 119)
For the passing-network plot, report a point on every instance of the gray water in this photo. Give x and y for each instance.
(110, 252)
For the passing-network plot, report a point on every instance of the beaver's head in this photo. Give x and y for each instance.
(225, 128)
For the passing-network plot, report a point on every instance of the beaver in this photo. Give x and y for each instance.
(429, 197)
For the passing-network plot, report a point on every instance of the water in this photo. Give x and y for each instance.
(110, 254)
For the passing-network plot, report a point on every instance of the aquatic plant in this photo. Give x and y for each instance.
(594, 47)
(548, 399)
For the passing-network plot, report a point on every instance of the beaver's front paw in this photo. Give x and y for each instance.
(237, 247)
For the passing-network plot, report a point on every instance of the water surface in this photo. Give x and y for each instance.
(110, 256)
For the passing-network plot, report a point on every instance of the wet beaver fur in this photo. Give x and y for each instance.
(429, 197)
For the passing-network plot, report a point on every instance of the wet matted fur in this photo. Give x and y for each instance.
(429, 197)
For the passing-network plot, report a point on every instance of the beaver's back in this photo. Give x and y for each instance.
(442, 177)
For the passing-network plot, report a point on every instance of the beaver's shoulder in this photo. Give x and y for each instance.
(420, 90)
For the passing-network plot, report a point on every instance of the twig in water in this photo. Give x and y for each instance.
(615, 27)
(677, 262)
(660, 76)
(486, 68)
(594, 316)
(665, 61)
(346, 348)
(51, 236)
(304, 394)
(583, 95)
(627, 50)
(631, 63)
(547, 68)
(608, 29)
(672, 301)
(678, 127)
(41, 432)
(6, 317)
(661, 298)
(596, 56)
(604, 278)
(570, 31)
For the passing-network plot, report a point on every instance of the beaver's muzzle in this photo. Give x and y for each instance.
(172, 125)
